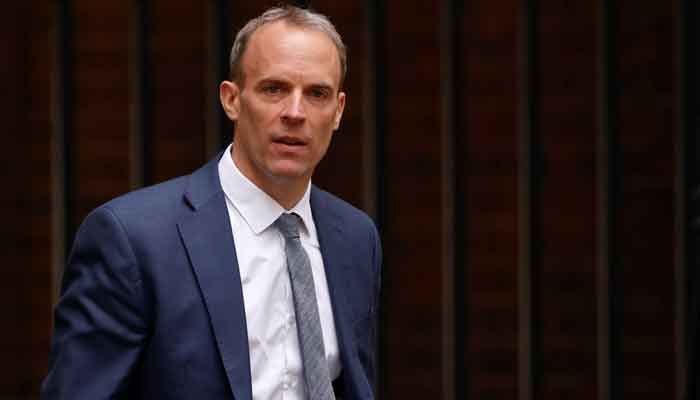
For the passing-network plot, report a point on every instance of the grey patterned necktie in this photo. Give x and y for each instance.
(313, 354)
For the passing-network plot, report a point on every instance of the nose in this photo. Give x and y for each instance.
(293, 112)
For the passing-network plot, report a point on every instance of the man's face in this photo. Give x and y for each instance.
(288, 106)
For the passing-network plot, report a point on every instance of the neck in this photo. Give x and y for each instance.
(286, 195)
(286, 191)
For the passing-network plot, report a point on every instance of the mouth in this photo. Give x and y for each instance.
(289, 141)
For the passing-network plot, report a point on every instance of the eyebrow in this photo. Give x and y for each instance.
(321, 86)
(281, 81)
(271, 80)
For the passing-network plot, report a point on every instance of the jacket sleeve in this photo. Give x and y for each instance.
(100, 327)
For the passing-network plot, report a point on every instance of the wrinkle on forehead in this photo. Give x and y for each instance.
(282, 48)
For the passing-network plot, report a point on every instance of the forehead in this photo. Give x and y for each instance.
(282, 48)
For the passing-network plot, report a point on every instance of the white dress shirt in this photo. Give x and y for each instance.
(275, 359)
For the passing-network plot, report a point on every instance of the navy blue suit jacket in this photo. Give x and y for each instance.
(152, 307)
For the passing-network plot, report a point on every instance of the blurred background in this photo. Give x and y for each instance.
(531, 166)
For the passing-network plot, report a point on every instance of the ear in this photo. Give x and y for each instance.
(230, 96)
(339, 110)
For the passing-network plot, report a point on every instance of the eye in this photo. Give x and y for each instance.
(319, 93)
(272, 89)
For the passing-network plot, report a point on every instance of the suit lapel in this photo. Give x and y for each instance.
(333, 247)
(206, 234)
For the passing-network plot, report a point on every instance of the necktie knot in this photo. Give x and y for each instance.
(288, 225)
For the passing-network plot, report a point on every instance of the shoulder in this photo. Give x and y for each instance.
(346, 213)
(338, 206)
(170, 198)
(148, 205)
(150, 200)
(147, 215)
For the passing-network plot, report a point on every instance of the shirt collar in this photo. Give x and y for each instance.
(257, 208)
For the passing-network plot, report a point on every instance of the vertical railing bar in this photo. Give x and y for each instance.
(219, 40)
(609, 289)
(63, 151)
(376, 166)
(142, 103)
(688, 278)
(682, 199)
(530, 214)
(455, 315)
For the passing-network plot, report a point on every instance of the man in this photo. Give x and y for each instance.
(241, 280)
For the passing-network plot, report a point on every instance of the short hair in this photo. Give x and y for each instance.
(299, 17)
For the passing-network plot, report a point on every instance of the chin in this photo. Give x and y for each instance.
(290, 172)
